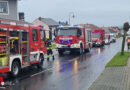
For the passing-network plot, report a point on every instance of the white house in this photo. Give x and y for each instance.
(48, 23)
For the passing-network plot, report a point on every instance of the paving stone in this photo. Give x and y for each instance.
(113, 78)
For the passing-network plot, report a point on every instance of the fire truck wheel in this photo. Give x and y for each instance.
(81, 50)
(89, 48)
(102, 43)
(40, 64)
(15, 69)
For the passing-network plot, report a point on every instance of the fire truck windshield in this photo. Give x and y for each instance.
(67, 32)
(96, 35)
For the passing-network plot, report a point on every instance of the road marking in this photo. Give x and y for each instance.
(40, 72)
(2, 87)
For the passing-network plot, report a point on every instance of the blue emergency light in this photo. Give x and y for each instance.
(69, 41)
(60, 25)
(41, 26)
(62, 41)
(76, 25)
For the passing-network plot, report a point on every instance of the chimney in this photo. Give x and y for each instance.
(40, 18)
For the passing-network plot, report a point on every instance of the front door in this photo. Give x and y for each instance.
(42, 46)
(25, 48)
(34, 45)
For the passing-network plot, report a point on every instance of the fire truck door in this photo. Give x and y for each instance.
(34, 54)
(25, 48)
(87, 37)
(42, 46)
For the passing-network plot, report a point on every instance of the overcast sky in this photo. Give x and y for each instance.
(99, 12)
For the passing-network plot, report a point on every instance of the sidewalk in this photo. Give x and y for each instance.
(113, 78)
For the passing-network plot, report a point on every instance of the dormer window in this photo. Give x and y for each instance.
(4, 8)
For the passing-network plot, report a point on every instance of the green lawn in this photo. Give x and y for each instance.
(119, 60)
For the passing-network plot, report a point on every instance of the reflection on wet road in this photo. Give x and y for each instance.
(68, 72)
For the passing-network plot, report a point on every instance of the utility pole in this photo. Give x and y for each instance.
(71, 14)
(125, 29)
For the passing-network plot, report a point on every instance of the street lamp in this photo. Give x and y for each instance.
(71, 14)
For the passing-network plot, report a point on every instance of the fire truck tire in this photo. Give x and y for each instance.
(89, 48)
(81, 49)
(40, 64)
(102, 43)
(15, 69)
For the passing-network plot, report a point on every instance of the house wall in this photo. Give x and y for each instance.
(12, 10)
(53, 28)
(38, 22)
(46, 27)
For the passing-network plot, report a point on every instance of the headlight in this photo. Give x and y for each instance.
(106, 41)
(77, 45)
(58, 45)
(98, 42)
(74, 45)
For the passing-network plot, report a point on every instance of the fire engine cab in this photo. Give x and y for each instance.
(73, 38)
(98, 37)
(21, 45)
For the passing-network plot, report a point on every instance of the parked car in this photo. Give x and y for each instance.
(112, 38)
(107, 38)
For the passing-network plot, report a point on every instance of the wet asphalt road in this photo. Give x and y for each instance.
(67, 72)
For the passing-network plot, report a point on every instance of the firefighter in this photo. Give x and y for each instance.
(49, 48)
(128, 42)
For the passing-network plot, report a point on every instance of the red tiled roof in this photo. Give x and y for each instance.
(114, 29)
(91, 26)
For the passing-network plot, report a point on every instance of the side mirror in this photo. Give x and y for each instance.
(50, 35)
(44, 38)
(79, 33)
(55, 33)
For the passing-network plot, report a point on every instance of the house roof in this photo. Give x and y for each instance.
(49, 21)
(91, 26)
(114, 29)
(106, 30)
(63, 23)
(109, 30)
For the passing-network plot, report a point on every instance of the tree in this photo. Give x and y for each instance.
(125, 29)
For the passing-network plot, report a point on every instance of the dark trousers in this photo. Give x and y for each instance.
(49, 52)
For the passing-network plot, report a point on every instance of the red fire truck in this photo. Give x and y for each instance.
(73, 38)
(98, 37)
(21, 45)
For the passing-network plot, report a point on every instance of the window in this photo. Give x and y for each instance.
(14, 38)
(34, 34)
(3, 7)
(14, 33)
(24, 36)
(67, 32)
(42, 35)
